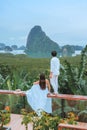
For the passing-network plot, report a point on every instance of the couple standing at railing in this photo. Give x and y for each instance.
(37, 95)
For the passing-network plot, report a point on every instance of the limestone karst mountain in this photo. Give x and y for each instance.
(39, 44)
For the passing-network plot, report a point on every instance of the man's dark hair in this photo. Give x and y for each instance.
(53, 53)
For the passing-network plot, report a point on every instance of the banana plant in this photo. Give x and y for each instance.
(72, 79)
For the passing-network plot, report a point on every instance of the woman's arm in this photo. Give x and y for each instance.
(48, 84)
(37, 82)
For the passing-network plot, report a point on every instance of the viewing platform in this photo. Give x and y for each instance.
(15, 123)
(16, 119)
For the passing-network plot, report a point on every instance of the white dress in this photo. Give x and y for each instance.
(38, 100)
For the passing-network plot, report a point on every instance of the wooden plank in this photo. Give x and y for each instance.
(12, 92)
(15, 123)
(49, 95)
(78, 126)
(67, 96)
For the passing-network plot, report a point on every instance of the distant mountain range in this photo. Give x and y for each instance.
(40, 45)
(10, 48)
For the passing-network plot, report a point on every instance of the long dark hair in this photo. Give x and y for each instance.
(42, 81)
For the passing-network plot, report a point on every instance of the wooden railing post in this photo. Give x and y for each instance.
(62, 108)
(24, 100)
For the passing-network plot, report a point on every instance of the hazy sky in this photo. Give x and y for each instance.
(64, 21)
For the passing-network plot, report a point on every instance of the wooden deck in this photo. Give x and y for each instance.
(15, 123)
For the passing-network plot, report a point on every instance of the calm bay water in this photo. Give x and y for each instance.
(15, 52)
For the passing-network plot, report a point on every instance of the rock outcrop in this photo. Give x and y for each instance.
(39, 44)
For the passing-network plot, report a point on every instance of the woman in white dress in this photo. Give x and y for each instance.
(37, 95)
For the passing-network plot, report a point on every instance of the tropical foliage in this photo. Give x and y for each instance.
(42, 122)
(20, 71)
(4, 117)
(46, 121)
(71, 118)
(73, 79)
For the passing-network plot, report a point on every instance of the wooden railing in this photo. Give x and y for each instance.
(12, 92)
(49, 95)
(78, 126)
(60, 96)
(67, 96)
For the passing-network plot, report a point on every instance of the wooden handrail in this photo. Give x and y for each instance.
(67, 96)
(78, 126)
(12, 92)
(49, 95)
